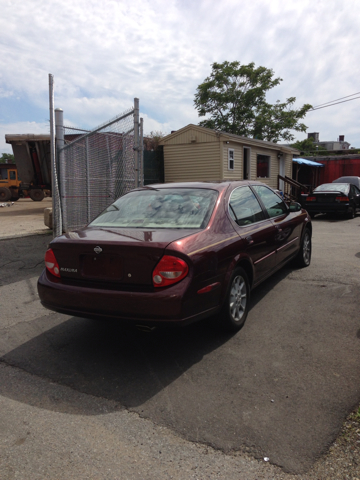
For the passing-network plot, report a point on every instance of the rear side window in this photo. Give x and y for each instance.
(244, 207)
(160, 208)
(272, 202)
(333, 187)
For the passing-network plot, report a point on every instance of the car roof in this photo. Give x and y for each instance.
(216, 185)
(353, 180)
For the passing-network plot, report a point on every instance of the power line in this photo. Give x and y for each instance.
(336, 103)
(336, 99)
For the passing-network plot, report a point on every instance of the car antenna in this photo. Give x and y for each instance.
(150, 188)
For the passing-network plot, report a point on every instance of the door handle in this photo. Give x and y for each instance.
(250, 240)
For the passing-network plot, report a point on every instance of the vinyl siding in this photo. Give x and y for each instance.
(191, 136)
(192, 162)
(288, 165)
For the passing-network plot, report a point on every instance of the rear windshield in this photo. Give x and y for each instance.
(333, 187)
(162, 208)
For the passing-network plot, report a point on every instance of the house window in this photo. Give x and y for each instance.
(263, 166)
(231, 161)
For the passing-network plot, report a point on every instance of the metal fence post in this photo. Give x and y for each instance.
(88, 179)
(59, 129)
(141, 152)
(57, 224)
(136, 140)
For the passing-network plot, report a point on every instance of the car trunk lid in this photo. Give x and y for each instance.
(120, 256)
(324, 197)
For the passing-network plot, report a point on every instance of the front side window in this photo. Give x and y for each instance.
(263, 166)
(160, 208)
(272, 202)
(12, 175)
(244, 207)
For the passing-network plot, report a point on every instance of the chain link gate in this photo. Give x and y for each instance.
(97, 167)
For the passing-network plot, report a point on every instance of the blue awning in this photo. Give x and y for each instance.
(304, 161)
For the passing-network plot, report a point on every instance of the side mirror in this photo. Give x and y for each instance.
(295, 207)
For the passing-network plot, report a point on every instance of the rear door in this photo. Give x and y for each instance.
(257, 230)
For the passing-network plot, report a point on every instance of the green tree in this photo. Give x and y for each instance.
(7, 158)
(152, 139)
(234, 96)
(308, 146)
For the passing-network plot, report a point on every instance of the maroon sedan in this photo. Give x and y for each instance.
(176, 253)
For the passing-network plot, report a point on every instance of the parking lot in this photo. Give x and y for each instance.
(85, 399)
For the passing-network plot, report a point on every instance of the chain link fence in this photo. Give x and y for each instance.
(97, 167)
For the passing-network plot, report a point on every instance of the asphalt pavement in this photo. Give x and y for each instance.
(105, 401)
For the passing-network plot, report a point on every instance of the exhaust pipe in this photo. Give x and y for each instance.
(145, 328)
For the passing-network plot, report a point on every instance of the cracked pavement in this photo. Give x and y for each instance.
(83, 394)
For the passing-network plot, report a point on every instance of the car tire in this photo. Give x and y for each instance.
(352, 212)
(236, 305)
(36, 194)
(5, 194)
(303, 258)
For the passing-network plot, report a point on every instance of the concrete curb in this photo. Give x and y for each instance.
(27, 234)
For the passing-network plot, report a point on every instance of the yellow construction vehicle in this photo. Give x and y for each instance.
(9, 182)
(11, 187)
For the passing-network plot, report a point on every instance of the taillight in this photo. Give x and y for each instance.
(51, 263)
(169, 270)
(343, 198)
(311, 199)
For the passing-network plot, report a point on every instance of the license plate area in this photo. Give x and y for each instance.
(103, 267)
(327, 199)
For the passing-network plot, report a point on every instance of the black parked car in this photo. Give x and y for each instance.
(341, 198)
(354, 180)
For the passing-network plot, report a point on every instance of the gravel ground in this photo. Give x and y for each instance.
(342, 461)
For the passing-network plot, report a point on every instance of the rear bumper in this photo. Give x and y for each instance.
(158, 307)
(328, 208)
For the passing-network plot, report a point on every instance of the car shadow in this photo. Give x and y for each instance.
(330, 217)
(113, 361)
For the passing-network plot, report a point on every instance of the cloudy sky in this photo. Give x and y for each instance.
(104, 53)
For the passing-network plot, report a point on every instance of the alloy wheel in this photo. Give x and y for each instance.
(306, 248)
(238, 298)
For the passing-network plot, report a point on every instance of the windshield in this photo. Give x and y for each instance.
(332, 187)
(162, 208)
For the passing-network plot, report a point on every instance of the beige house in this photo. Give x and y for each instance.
(195, 153)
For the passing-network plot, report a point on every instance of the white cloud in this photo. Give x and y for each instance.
(104, 53)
